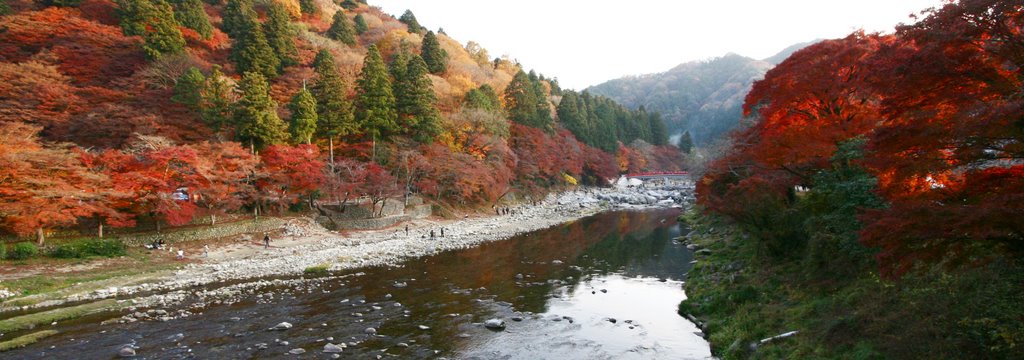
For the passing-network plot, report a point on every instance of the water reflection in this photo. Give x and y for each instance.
(552, 280)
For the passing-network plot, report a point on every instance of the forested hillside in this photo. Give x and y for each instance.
(881, 183)
(701, 98)
(110, 107)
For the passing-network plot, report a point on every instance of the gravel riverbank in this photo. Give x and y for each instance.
(305, 244)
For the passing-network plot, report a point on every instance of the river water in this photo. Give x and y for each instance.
(603, 287)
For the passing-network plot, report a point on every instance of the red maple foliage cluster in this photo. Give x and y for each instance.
(940, 105)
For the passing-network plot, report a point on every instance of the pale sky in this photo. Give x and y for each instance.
(587, 42)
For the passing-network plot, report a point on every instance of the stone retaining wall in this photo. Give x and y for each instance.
(265, 224)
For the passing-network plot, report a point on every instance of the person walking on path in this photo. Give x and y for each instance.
(206, 250)
(442, 232)
(431, 234)
(181, 254)
(266, 241)
(406, 229)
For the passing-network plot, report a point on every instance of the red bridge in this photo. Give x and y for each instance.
(659, 175)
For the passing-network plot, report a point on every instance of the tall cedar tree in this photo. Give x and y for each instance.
(236, 16)
(6, 9)
(415, 102)
(375, 101)
(155, 22)
(256, 114)
(334, 111)
(686, 143)
(659, 134)
(341, 30)
(433, 55)
(570, 116)
(190, 14)
(525, 103)
(360, 24)
(409, 20)
(188, 89)
(217, 101)
(280, 34)
(398, 67)
(303, 121)
(309, 7)
(250, 49)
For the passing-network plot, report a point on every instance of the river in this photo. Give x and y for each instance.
(603, 287)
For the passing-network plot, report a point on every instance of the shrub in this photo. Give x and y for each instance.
(23, 251)
(3, 251)
(318, 270)
(85, 248)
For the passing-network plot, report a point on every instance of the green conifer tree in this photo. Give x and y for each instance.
(304, 118)
(432, 53)
(189, 88)
(217, 101)
(252, 53)
(237, 17)
(341, 30)
(409, 20)
(349, 4)
(360, 24)
(309, 7)
(659, 134)
(417, 114)
(398, 67)
(686, 143)
(133, 14)
(334, 111)
(256, 114)
(4, 8)
(526, 104)
(163, 36)
(280, 34)
(191, 15)
(375, 101)
(570, 116)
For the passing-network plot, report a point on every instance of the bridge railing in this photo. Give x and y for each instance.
(657, 174)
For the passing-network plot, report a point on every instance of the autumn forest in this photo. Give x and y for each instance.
(110, 107)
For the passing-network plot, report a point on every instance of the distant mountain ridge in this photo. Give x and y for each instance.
(704, 98)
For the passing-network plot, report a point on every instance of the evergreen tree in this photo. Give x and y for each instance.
(526, 104)
(360, 24)
(280, 35)
(191, 15)
(349, 5)
(570, 117)
(375, 101)
(340, 29)
(334, 112)
(163, 35)
(432, 53)
(237, 17)
(251, 51)
(309, 7)
(4, 8)
(484, 98)
(256, 114)
(155, 22)
(189, 88)
(416, 111)
(304, 118)
(409, 20)
(217, 101)
(659, 134)
(686, 143)
(398, 67)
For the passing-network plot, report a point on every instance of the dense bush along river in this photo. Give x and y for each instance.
(603, 287)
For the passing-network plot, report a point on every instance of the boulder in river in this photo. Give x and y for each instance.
(282, 326)
(297, 351)
(332, 349)
(495, 324)
(370, 331)
(126, 351)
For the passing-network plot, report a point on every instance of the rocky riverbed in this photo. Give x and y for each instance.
(305, 245)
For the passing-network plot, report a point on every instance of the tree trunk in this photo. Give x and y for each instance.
(40, 238)
(100, 232)
(213, 219)
(158, 226)
(330, 145)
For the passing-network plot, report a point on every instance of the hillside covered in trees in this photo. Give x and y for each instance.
(700, 98)
(112, 111)
(879, 193)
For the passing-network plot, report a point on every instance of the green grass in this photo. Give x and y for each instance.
(29, 321)
(317, 270)
(25, 340)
